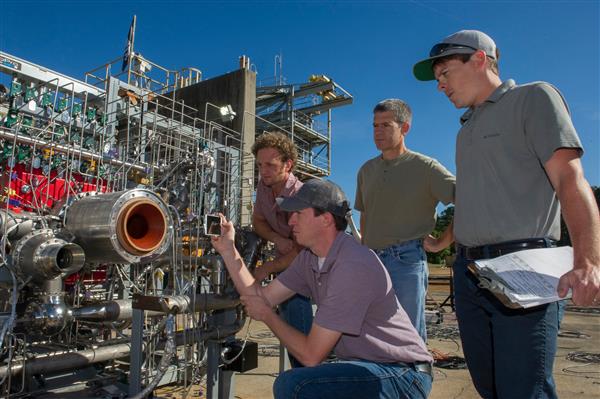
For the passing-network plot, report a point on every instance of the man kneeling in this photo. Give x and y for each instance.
(358, 316)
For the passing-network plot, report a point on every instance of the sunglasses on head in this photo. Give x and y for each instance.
(441, 48)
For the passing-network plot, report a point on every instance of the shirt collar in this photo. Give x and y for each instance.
(493, 98)
(288, 188)
(332, 255)
(501, 90)
(290, 183)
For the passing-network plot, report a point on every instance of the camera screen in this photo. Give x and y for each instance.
(213, 225)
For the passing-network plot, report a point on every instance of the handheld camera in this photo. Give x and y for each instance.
(212, 225)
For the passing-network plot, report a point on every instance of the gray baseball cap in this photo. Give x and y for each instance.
(462, 42)
(317, 193)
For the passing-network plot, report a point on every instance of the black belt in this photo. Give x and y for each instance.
(502, 248)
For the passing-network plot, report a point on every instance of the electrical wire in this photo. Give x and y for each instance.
(584, 357)
(168, 354)
(9, 358)
(444, 333)
(9, 324)
(572, 334)
(583, 309)
(227, 362)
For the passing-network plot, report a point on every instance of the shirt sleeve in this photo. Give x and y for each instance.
(258, 204)
(547, 122)
(443, 183)
(348, 298)
(295, 275)
(358, 202)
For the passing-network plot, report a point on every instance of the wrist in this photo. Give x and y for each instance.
(587, 265)
(270, 316)
(229, 254)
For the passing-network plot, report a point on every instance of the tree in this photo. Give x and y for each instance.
(447, 215)
(565, 239)
(442, 222)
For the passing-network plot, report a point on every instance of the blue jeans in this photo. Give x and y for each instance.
(353, 380)
(297, 312)
(407, 265)
(509, 352)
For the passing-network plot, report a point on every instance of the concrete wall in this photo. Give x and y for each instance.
(238, 89)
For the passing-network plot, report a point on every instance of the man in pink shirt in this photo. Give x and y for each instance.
(276, 157)
(358, 316)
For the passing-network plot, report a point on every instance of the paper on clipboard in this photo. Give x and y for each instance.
(526, 278)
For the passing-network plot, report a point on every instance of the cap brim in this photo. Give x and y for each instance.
(291, 204)
(423, 70)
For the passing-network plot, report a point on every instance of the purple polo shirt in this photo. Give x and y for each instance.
(266, 206)
(354, 296)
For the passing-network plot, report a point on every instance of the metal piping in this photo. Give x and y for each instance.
(65, 149)
(124, 227)
(67, 361)
(218, 272)
(79, 359)
(353, 227)
(42, 256)
(116, 310)
(121, 309)
(170, 350)
(249, 251)
(17, 224)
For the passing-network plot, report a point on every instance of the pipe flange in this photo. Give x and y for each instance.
(129, 250)
(41, 256)
(18, 254)
(130, 226)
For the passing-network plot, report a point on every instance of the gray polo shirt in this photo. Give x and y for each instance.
(354, 296)
(502, 190)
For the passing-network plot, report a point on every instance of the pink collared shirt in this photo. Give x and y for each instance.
(266, 206)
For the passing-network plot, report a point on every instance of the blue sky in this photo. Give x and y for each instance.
(368, 47)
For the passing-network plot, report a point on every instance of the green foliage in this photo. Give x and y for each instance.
(443, 220)
(565, 239)
(447, 215)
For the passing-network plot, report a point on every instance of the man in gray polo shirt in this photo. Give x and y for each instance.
(358, 316)
(517, 158)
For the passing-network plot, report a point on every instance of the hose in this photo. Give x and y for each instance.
(169, 352)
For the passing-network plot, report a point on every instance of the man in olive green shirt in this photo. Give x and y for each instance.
(397, 194)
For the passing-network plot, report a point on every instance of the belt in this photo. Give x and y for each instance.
(424, 367)
(502, 248)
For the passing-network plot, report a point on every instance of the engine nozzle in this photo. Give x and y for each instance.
(43, 256)
(122, 227)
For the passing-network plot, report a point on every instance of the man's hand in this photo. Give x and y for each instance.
(225, 243)
(263, 271)
(263, 229)
(257, 307)
(283, 245)
(580, 211)
(432, 244)
(585, 283)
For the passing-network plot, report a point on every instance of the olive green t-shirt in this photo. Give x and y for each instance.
(399, 197)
